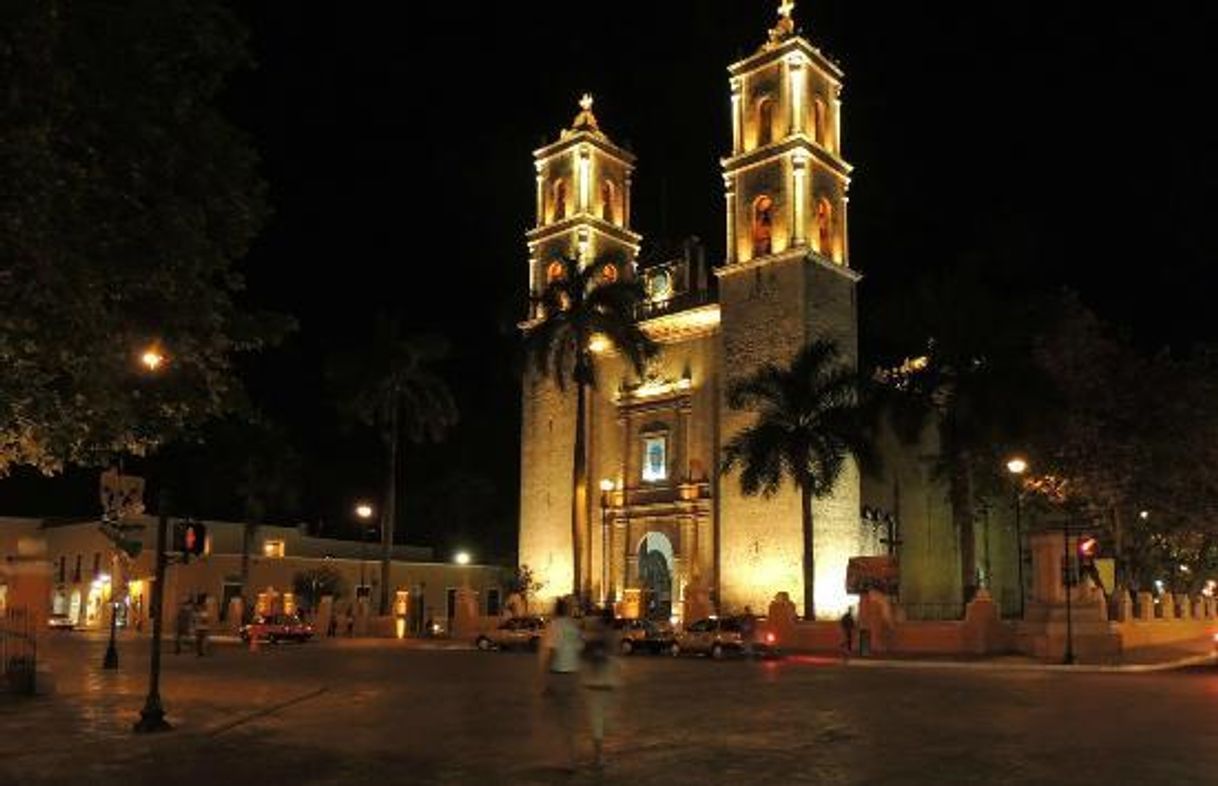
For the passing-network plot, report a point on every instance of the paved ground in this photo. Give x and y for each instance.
(354, 712)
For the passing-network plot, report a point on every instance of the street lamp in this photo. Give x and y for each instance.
(364, 512)
(110, 661)
(152, 716)
(461, 558)
(1017, 466)
(606, 487)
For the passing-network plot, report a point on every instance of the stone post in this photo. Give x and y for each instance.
(1146, 606)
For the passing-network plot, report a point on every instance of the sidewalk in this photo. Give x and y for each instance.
(1179, 655)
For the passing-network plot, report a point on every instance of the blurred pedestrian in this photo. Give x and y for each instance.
(601, 677)
(332, 625)
(748, 630)
(202, 629)
(350, 623)
(560, 649)
(847, 623)
(181, 626)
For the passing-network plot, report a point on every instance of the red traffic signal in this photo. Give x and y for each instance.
(190, 538)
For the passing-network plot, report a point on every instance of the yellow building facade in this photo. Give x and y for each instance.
(660, 530)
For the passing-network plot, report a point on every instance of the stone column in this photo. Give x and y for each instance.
(729, 187)
(1146, 606)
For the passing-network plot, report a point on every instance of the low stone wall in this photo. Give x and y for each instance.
(1138, 633)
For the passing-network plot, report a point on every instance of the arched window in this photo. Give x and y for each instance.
(824, 227)
(608, 200)
(609, 274)
(820, 118)
(560, 200)
(763, 225)
(765, 121)
(554, 272)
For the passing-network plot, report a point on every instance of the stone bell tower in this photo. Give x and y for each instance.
(583, 211)
(786, 280)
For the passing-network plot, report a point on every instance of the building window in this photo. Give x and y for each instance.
(492, 602)
(655, 458)
(819, 116)
(96, 564)
(824, 227)
(763, 225)
(608, 198)
(765, 121)
(272, 548)
(63, 564)
(76, 573)
(560, 200)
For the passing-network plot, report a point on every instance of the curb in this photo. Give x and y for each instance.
(1131, 668)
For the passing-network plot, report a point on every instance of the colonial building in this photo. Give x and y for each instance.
(667, 523)
(86, 571)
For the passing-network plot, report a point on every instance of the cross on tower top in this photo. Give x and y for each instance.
(786, 25)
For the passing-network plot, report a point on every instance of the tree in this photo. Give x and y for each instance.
(525, 584)
(314, 584)
(395, 390)
(579, 304)
(974, 382)
(127, 198)
(809, 423)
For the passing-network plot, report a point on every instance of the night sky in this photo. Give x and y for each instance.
(1052, 141)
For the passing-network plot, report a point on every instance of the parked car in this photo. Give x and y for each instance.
(513, 633)
(60, 622)
(719, 637)
(277, 627)
(639, 635)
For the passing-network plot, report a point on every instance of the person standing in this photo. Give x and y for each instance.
(601, 678)
(560, 650)
(181, 626)
(202, 628)
(847, 623)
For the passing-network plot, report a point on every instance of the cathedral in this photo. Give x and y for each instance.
(661, 531)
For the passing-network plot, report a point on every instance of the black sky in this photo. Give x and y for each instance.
(1066, 142)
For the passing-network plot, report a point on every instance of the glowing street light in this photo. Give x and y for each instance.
(1145, 514)
(152, 359)
(1017, 465)
(461, 558)
(363, 510)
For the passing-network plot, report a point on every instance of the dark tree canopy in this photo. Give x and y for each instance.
(126, 200)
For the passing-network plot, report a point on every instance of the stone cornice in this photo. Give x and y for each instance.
(784, 147)
(797, 43)
(790, 255)
(584, 220)
(575, 139)
(683, 325)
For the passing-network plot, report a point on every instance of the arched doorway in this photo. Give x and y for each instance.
(655, 575)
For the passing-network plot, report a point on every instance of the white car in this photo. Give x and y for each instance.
(513, 633)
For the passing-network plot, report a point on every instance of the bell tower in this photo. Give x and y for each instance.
(786, 280)
(583, 200)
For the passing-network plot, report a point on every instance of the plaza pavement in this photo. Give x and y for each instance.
(380, 712)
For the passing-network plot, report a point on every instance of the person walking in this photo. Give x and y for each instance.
(202, 628)
(601, 677)
(847, 623)
(559, 652)
(181, 626)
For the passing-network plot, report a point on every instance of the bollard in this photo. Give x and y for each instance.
(864, 642)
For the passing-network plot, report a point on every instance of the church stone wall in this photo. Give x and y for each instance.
(547, 442)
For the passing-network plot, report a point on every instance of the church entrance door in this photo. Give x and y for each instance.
(655, 575)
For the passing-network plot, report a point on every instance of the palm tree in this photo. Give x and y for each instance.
(398, 393)
(578, 304)
(809, 423)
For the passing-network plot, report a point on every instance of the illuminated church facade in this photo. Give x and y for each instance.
(660, 529)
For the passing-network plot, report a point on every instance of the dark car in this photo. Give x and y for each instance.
(722, 636)
(513, 633)
(640, 635)
(277, 627)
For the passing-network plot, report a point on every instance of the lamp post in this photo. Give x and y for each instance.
(364, 512)
(110, 661)
(152, 716)
(606, 487)
(1017, 466)
(1068, 582)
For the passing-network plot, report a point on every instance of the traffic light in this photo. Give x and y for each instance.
(190, 538)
